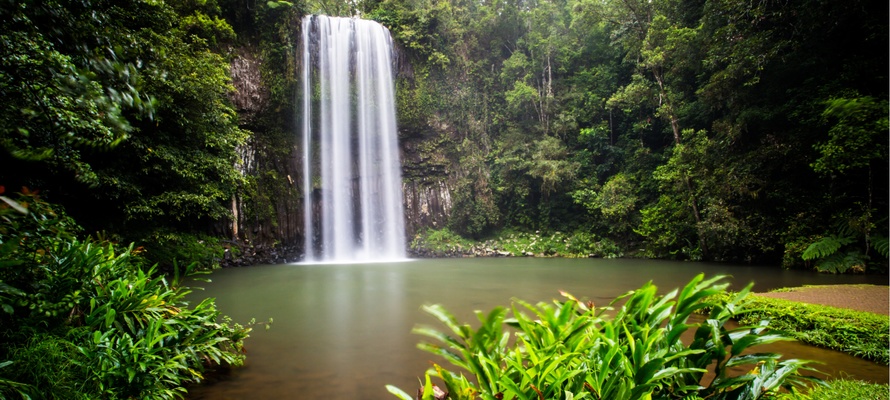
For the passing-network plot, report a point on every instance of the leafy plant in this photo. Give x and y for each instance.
(827, 246)
(53, 368)
(440, 243)
(166, 247)
(31, 228)
(839, 252)
(574, 350)
(85, 320)
(583, 244)
(11, 387)
(578, 244)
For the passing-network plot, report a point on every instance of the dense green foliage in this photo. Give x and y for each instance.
(574, 350)
(119, 111)
(862, 334)
(692, 129)
(440, 243)
(839, 252)
(83, 319)
(445, 243)
(695, 129)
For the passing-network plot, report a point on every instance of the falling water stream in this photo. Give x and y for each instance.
(351, 170)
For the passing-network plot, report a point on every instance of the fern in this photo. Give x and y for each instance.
(826, 246)
(881, 244)
(847, 227)
(838, 263)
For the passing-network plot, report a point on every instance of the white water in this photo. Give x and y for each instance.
(350, 143)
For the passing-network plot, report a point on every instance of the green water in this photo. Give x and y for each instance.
(343, 331)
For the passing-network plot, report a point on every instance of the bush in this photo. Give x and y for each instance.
(83, 320)
(585, 244)
(572, 350)
(168, 247)
(53, 364)
(440, 243)
(446, 243)
(557, 244)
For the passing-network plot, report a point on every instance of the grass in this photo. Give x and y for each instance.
(848, 389)
(858, 333)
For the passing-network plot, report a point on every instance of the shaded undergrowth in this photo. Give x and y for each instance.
(87, 319)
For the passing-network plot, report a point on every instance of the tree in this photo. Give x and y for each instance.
(856, 146)
(130, 100)
(662, 50)
(66, 89)
(715, 129)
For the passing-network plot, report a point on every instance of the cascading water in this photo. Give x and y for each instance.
(351, 171)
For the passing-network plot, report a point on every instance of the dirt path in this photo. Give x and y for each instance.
(871, 298)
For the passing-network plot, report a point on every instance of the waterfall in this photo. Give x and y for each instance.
(352, 182)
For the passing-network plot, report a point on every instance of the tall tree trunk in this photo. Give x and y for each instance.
(675, 127)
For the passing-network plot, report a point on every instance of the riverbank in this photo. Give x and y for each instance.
(873, 299)
(849, 318)
(870, 298)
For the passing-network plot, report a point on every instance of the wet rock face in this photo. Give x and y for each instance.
(267, 219)
(427, 173)
(250, 96)
(427, 204)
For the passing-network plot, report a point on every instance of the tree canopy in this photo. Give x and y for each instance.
(119, 111)
(694, 129)
(702, 129)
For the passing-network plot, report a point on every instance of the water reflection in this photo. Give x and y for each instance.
(343, 331)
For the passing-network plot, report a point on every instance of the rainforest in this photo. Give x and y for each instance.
(700, 130)
(145, 140)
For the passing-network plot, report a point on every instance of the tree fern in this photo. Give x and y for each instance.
(882, 245)
(839, 263)
(826, 246)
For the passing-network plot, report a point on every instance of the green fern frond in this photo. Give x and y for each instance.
(881, 245)
(833, 263)
(846, 227)
(825, 247)
(838, 263)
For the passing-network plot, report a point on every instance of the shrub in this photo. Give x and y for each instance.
(522, 244)
(573, 350)
(578, 244)
(445, 243)
(140, 337)
(54, 365)
(440, 243)
(83, 320)
(583, 244)
(167, 247)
